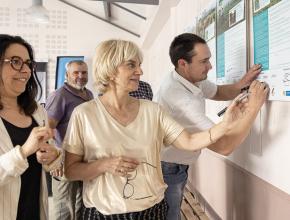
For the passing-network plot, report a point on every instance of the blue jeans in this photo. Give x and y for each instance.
(175, 176)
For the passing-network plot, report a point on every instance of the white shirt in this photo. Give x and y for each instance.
(185, 102)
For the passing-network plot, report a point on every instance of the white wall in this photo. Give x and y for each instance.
(157, 55)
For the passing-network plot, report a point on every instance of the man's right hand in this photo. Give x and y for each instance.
(258, 94)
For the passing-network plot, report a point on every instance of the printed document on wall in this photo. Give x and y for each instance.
(271, 32)
(231, 41)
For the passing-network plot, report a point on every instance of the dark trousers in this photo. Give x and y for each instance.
(157, 212)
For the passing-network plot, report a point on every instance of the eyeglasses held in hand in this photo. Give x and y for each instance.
(17, 63)
(128, 189)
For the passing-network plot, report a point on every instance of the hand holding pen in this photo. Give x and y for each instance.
(32, 144)
(257, 91)
(240, 99)
(47, 151)
(244, 91)
(58, 172)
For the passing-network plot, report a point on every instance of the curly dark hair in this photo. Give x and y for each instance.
(182, 47)
(25, 100)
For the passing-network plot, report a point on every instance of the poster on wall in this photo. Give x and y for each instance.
(61, 68)
(205, 28)
(231, 41)
(271, 33)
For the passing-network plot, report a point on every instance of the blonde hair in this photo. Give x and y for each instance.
(109, 55)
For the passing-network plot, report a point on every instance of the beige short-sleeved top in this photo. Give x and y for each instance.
(95, 134)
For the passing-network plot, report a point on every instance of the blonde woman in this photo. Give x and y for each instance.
(113, 142)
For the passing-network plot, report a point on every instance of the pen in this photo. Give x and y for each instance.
(245, 95)
(56, 178)
(220, 113)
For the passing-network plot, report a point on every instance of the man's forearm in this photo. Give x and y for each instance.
(228, 92)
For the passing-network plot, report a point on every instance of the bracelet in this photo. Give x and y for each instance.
(57, 153)
(210, 137)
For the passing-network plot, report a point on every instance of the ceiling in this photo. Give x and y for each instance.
(128, 15)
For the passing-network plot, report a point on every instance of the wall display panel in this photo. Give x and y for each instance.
(61, 68)
(206, 28)
(271, 33)
(231, 40)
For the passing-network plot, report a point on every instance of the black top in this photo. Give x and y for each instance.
(28, 205)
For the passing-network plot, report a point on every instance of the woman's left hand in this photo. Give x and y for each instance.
(257, 95)
(235, 111)
(46, 154)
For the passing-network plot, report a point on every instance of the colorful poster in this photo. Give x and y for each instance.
(271, 32)
(231, 41)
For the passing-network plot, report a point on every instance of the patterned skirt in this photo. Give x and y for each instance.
(157, 212)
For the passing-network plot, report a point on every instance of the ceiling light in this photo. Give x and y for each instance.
(37, 13)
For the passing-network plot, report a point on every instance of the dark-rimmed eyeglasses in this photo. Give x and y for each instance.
(17, 63)
(128, 189)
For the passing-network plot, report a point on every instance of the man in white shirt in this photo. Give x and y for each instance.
(183, 95)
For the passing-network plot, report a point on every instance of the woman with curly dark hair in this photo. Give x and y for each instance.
(24, 150)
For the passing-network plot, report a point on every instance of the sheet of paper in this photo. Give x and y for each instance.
(231, 41)
(271, 29)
